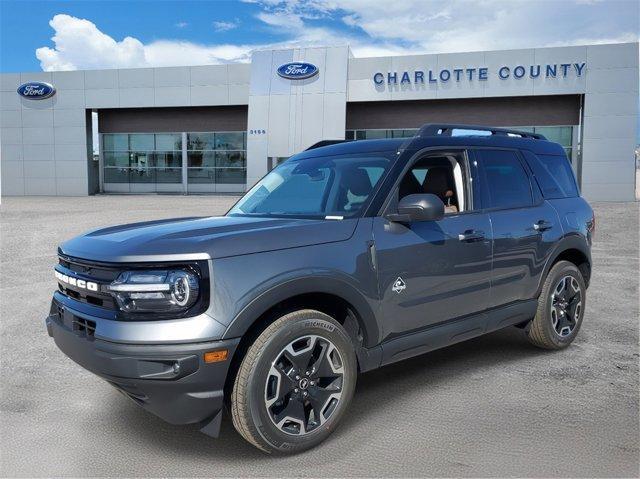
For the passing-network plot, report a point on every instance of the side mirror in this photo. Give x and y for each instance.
(419, 207)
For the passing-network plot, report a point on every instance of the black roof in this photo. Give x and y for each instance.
(439, 135)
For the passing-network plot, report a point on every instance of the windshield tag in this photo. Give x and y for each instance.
(334, 218)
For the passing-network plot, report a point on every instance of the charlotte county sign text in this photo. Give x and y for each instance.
(561, 70)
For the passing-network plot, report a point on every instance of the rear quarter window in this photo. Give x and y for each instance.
(554, 175)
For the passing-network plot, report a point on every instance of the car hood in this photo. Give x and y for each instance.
(203, 238)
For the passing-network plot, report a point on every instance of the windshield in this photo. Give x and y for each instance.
(316, 187)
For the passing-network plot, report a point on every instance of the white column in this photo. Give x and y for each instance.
(184, 163)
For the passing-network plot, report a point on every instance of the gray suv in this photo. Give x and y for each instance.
(346, 257)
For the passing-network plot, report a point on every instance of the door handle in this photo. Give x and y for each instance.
(471, 235)
(542, 225)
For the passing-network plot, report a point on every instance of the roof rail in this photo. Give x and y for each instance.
(446, 129)
(325, 143)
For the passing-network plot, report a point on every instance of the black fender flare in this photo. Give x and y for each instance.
(568, 242)
(307, 285)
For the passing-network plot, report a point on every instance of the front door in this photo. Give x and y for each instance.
(434, 271)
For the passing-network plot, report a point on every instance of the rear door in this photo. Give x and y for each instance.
(525, 227)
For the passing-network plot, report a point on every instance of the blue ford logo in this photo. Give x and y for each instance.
(36, 90)
(297, 70)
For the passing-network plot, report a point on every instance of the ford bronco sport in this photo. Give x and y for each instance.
(346, 257)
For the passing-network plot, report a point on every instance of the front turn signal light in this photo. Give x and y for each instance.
(216, 356)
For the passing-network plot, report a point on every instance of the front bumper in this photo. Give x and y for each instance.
(172, 381)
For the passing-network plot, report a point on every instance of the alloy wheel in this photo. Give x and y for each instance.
(566, 306)
(304, 385)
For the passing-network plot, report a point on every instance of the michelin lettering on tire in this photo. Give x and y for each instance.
(320, 324)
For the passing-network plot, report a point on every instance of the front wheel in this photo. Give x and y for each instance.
(295, 383)
(560, 308)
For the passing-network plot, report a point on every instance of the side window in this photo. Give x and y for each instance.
(507, 183)
(554, 175)
(441, 175)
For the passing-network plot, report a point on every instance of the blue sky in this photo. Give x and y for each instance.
(58, 35)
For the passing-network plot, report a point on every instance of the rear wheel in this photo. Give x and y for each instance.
(295, 383)
(560, 308)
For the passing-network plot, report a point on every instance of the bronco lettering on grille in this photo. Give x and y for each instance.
(77, 282)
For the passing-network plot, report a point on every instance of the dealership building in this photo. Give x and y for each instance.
(220, 128)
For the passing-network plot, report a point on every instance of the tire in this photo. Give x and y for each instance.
(274, 402)
(560, 308)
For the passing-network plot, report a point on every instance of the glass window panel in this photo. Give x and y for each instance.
(142, 175)
(231, 175)
(403, 133)
(557, 134)
(201, 175)
(235, 159)
(149, 158)
(195, 158)
(201, 159)
(200, 141)
(168, 141)
(113, 158)
(168, 175)
(115, 142)
(375, 134)
(116, 175)
(140, 159)
(141, 141)
(167, 159)
(361, 135)
(349, 135)
(230, 141)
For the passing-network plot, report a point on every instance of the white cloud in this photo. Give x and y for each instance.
(182, 24)
(370, 27)
(222, 26)
(79, 44)
(174, 53)
(433, 26)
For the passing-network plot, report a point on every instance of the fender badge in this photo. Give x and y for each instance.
(399, 286)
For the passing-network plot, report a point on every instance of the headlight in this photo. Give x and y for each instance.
(155, 291)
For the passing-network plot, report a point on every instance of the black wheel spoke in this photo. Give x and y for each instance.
(318, 358)
(318, 399)
(294, 360)
(322, 368)
(294, 409)
(286, 381)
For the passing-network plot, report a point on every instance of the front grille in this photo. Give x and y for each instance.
(94, 272)
(103, 274)
(84, 327)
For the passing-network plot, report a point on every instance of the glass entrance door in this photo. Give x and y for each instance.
(153, 162)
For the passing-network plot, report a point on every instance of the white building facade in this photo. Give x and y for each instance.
(219, 128)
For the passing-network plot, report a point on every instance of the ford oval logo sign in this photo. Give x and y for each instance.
(36, 90)
(297, 70)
